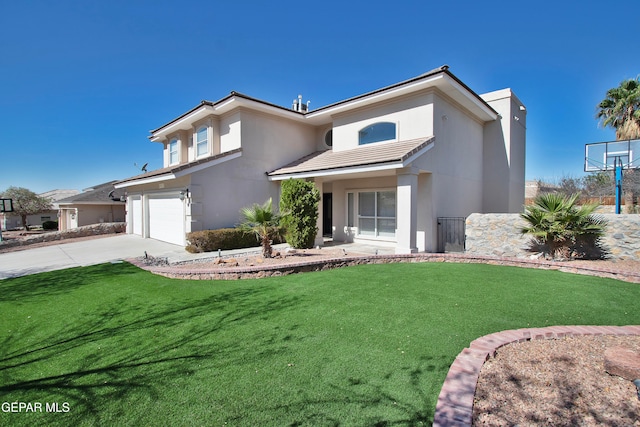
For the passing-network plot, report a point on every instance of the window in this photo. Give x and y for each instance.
(376, 213)
(382, 131)
(328, 138)
(173, 152)
(202, 143)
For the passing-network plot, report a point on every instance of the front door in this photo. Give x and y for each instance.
(327, 218)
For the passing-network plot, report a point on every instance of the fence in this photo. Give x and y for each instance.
(499, 235)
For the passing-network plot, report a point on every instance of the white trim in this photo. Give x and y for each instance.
(340, 171)
(150, 180)
(178, 149)
(196, 143)
(185, 123)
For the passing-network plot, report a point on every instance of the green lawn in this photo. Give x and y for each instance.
(363, 346)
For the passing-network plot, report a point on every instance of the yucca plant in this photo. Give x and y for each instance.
(263, 222)
(562, 228)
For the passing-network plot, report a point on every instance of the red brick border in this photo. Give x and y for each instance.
(324, 264)
(455, 402)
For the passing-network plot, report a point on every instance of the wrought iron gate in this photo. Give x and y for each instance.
(451, 234)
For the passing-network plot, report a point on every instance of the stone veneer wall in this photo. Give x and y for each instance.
(84, 231)
(499, 235)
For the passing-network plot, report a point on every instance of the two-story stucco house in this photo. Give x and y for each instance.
(388, 163)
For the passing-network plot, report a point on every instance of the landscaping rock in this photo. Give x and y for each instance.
(622, 362)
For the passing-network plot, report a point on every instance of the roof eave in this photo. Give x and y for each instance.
(230, 102)
(440, 78)
(401, 163)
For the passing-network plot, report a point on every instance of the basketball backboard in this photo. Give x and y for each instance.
(602, 156)
(6, 205)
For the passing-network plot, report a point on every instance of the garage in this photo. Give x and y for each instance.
(166, 219)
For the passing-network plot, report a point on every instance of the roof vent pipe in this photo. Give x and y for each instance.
(300, 106)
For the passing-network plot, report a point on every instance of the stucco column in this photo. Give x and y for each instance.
(407, 211)
(319, 241)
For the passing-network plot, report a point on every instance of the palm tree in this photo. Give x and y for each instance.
(620, 110)
(562, 228)
(263, 222)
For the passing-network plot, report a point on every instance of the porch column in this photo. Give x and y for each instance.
(407, 211)
(319, 241)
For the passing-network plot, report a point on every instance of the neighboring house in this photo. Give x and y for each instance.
(389, 163)
(97, 204)
(536, 187)
(12, 221)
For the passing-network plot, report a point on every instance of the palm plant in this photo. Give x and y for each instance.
(263, 222)
(562, 228)
(620, 109)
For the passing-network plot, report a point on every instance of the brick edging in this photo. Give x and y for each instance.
(323, 264)
(455, 402)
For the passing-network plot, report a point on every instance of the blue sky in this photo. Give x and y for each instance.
(83, 82)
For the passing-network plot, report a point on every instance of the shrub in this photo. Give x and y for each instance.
(262, 222)
(223, 238)
(50, 225)
(299, 206)
(561, 228)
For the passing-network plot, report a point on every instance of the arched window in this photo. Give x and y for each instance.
(202, 142)
(173, 151)
(381, 131)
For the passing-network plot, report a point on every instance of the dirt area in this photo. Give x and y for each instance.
(556, 383)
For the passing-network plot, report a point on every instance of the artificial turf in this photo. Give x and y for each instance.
(363, 346)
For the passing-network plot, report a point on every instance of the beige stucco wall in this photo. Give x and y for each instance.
(96, 214)
(230, 131)
(454, 162)
(411, 115)
(504, 154)
(268, 142)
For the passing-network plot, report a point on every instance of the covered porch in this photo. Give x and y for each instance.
(371, 194)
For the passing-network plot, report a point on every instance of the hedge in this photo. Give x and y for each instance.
(223, 239)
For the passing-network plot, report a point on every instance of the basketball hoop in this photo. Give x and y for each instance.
(6, 205)
(615, 156)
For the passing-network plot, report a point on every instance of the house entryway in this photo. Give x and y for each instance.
(327, 217)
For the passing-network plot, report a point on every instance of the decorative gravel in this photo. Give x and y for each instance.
(557, 382)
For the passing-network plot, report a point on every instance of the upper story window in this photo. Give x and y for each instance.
(202, 142)
(381, 131)
(173, 151)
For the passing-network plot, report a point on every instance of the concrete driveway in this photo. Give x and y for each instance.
(87, 252)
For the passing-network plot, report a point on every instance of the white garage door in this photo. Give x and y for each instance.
(166, 220)
(136, 216)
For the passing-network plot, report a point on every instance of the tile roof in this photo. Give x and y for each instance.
(172, 170)
(96, 194)
(366, 155)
